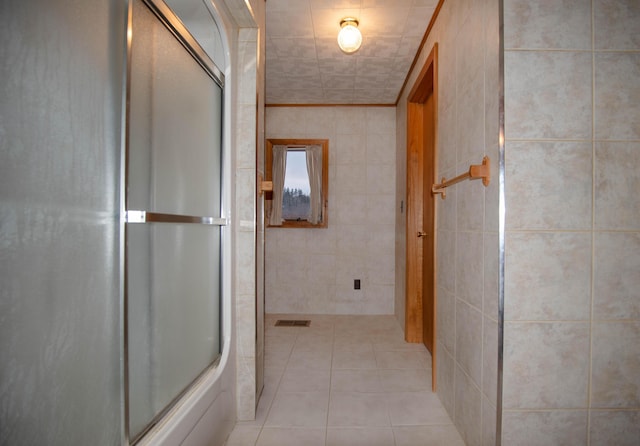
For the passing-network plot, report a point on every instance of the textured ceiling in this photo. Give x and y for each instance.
(305, 65)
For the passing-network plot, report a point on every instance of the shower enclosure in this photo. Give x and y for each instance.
(174, 213)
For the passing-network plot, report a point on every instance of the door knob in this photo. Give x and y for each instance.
(422, 234)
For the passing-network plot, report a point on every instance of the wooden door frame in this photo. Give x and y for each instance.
(425, 85)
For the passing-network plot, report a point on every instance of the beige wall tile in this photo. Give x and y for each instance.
(245, 388)
(380, 120)
(351, 209)
(380, 148)
(552, 372)
(469, 268)
(281, 123)
(445, 367)
(446, 139)
(446, 209)
(609, 427)
(469, 56)
(384, 201)
(548, 276)
(462, 32)
(468, 418)
(362, 190)
(322, 242)
(616, 365)
(349, 149)
(537, 24)
(489, 414)
(380, 179)
(246, 144)
(320, 123)
(617, 202)
(380, 272)
(548, 185)
(616, 277)
(446, 260)
(446, 319)
(350, 179)
(556, 105)
(468, 331)
(469, 116)
(490, 361)
(491, 265)
(492, 191)
(324, 269)
(350, 121)
(465, 8)
(245, 194)
(617, 24)
(544, 428)
(246, 332)
(617, 95)
(470, 203)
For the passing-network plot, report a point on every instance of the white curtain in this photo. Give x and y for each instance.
(314, 170)
(278, 169)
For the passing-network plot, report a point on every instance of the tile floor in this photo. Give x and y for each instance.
(345, 381)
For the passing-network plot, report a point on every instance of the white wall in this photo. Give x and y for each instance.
(312, 270)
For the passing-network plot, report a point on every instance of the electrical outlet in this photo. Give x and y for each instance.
(356, 284)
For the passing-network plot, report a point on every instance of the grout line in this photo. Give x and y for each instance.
(593, 217)
(576, 231)
(570, 50)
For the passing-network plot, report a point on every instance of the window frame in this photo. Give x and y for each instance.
(298, 144)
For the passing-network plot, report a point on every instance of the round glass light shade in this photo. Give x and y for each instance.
(349, 37)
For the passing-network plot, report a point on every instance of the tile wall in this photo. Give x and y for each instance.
(312, 270)
(467, 221)
(572, 290)
(249, 231)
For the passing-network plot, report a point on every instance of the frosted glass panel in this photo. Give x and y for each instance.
(173, 269)
(198, 19)
(174, 334)
(60, 337)
(174, 125)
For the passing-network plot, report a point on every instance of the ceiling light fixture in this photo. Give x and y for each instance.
(349, 37)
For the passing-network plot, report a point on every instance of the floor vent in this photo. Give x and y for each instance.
(298, 323)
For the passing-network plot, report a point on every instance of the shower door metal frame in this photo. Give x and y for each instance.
(129, 216)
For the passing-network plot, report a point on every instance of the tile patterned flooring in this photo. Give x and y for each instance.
(345, 381)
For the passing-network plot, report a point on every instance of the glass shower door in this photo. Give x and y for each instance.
(174, 213)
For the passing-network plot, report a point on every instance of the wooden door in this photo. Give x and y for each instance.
(421, 299)
(428, 226)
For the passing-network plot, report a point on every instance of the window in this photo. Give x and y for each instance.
(299, 170)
